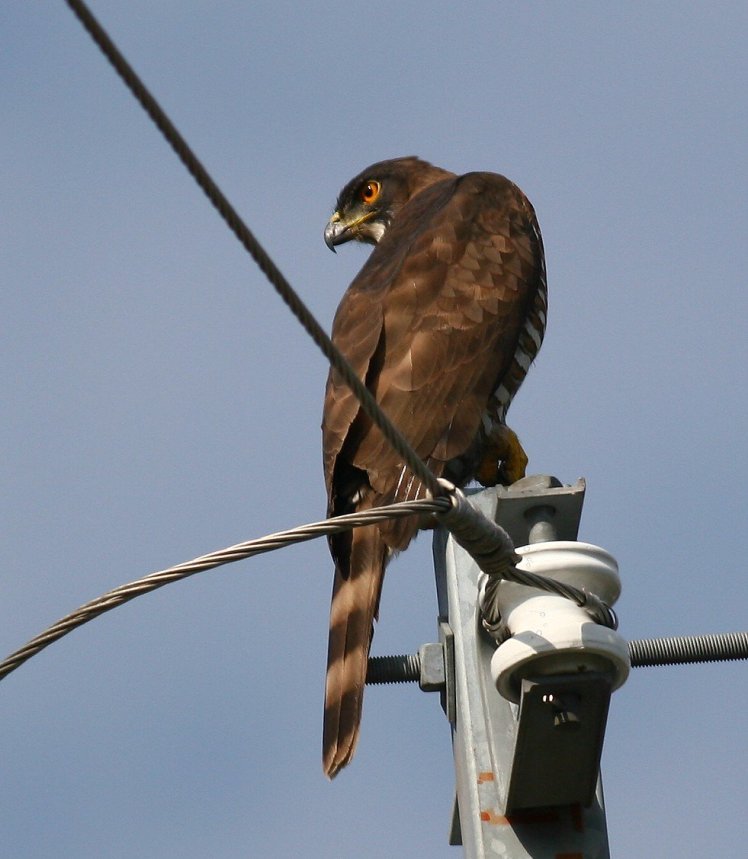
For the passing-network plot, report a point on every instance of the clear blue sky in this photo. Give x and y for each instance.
(159, 402)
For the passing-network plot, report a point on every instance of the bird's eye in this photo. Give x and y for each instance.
(370, 191)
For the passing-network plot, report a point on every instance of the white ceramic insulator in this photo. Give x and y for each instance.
(551, 634)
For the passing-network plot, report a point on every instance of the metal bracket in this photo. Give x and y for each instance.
(497, 812)
(559, 741)
(437, 669)
(447, 639)
(539, 508)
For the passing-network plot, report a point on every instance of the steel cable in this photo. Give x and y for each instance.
(494, 546)
(124, 593)
(252, 245)
(493, 551)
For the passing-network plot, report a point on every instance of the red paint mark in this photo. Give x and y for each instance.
(483, 777)
(577, 818)
(491, 817)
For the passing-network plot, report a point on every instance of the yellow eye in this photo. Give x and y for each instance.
(370, 191)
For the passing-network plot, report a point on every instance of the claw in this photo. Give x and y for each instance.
(504, 459)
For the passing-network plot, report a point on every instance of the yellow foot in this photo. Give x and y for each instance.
(504, 459)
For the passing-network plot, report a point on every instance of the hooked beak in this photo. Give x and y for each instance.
(336, 232)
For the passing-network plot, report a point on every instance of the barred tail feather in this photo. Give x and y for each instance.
(355, 603)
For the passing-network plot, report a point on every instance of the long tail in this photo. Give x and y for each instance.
(355, 603)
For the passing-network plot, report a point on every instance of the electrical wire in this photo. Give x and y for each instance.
(493, 550)
(252, 245)
(124, 593)
(492, 545)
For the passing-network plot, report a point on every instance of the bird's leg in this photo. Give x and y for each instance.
(504, 459)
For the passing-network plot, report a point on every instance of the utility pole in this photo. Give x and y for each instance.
(527, 770)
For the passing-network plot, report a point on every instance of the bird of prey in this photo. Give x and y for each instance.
(442, 324)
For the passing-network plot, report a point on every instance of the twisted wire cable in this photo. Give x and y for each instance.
(490, 544)
(251, 244)
(124, 593)
(489, 541)
(493, 550)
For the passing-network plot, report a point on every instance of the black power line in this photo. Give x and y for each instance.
(252, 246)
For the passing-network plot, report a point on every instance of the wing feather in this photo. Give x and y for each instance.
(445, 295)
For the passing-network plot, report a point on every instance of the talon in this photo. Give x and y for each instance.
(504, 459)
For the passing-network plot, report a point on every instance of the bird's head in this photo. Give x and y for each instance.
(368, 203)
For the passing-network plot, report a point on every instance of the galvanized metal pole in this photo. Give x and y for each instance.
(486, 820)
